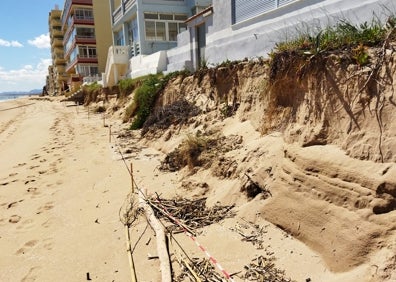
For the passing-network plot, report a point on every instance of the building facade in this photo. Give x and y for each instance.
(86, 40)
(57, 76)
(147, 27)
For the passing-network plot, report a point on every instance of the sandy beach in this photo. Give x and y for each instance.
(63, 184)
(60, 192)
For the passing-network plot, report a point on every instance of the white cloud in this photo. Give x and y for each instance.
(6, 43)
(42, 41)
(26, 78)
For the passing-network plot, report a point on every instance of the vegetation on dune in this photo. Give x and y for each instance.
(351, 41)
(144, 99)
(343, 35)
(92, 91)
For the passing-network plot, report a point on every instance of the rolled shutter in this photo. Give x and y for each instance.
(284, 2)
(246, 9)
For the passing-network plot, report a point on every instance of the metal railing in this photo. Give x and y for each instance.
(92, 78)
(125, 6)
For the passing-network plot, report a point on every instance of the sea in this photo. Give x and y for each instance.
(6, 96)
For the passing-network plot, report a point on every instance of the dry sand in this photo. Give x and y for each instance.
(60, 192)
(62, 185)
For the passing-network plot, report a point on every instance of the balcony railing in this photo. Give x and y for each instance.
(81, 60)
(125, 6)
(92, 78)
(135, 49)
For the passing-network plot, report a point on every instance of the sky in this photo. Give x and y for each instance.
(25, 52)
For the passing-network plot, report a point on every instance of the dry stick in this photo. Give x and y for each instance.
(191, 270)
(109, 133)
(133, 187)
(161, 239)
(130, 257)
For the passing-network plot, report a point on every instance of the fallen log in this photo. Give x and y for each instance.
(162, 248)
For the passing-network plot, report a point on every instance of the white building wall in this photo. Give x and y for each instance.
(257, 36)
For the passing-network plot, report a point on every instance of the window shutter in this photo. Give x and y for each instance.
(246, 9)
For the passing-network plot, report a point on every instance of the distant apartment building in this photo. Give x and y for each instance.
(57, 78)
(142, 32)
(87, 37)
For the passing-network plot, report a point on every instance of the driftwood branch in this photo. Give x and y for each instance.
(162, 248)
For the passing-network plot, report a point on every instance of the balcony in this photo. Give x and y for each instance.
(76, 20)
(55, 22)
(68, 7)
(116, 65)
(81, 60)
(125, 6)
(56, 33)
(78, 40)
(56, 42)
(58, 59)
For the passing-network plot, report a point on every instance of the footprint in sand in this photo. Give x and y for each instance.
(31, 276)
(26, 247)
(48, 206)
(33, 191)
(48, 245)
(13, 204)
(47, 223)
(14, 219)
(34, 166)
(29, 181)
(13, 174)
(26, 225)
(43, 160)
(35, 157)
(19, 165)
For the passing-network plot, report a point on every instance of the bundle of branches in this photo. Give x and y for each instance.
(263, 269)
(201, 269)
(176, 113)
(191, 214)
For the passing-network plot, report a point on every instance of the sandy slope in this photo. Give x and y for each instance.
(62, 185)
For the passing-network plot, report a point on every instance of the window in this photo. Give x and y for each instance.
(85, 32)
(87, 70)
(87, 51)
(133, 31)
(164, 27)
(82, 14)
(119, 38)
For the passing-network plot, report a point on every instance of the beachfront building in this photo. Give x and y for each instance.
(143, 30)
(50, 81)
(57, 77)
(238, 29)
(87, 37)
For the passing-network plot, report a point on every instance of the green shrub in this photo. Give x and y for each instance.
(144, 98)
(127, 86)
